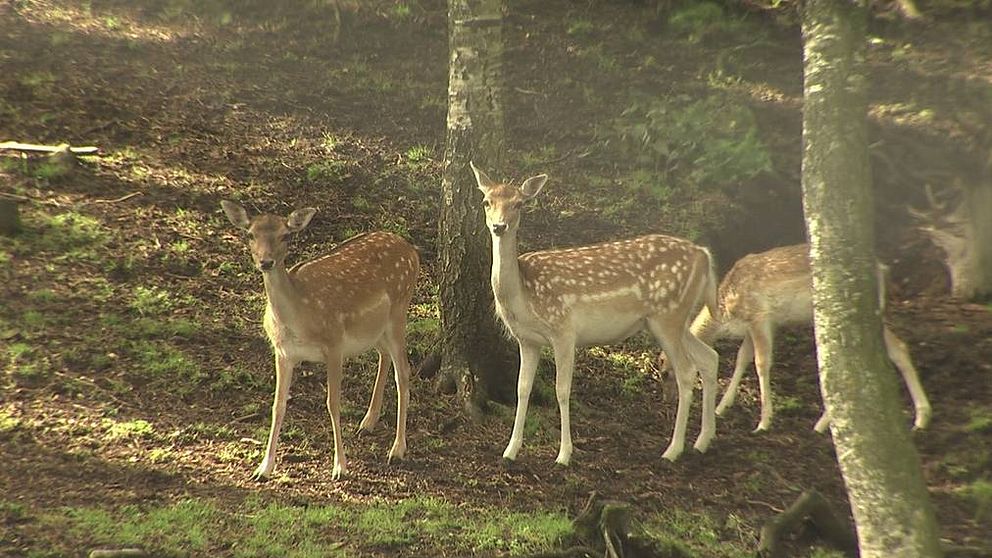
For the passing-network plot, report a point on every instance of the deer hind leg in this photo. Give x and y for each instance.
(530, 354)
(284, 379)
(564, 370)
(375, 404)
(899, 354)
(761, 338)
(706, 360)
(745, 356)
(396, 343)
(334, 372)
(672, 343)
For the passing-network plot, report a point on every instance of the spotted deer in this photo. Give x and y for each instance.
(764, 291)
(592, 295)
(329, 309)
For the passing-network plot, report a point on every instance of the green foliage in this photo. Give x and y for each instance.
(787, 404)
(330, 170)
(980, 494)
(127, 430)
(980, 420)
(8, 422)
(49, 171)
(580, 27)
(151, 301)
(697, 21)
(151, 327)
(70, 235)
(694, 534)
(160, 361)
(275, 529)
(184, 525)
(418, 156)
(709, 142)
(39, 82)
(826, 553)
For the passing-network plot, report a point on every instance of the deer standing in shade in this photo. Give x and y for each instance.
(598, 294)
(774, 288)
(331, 308)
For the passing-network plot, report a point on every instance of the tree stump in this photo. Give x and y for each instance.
(10, 220)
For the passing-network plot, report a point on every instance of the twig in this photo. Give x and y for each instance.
(120, 199)
(16, 197)
(775, 509)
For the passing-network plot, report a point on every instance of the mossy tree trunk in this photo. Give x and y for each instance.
(881, 469)
(474, 350)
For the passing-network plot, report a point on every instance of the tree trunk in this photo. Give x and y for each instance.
(881, 469)
(475, 352)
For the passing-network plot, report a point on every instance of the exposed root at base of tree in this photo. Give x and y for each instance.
(813, 509)
(606, 528)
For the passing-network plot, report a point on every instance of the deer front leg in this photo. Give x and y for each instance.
(334, 372)
(375, 404)
(564, 369)
(530, 354)
(745, 356)
(899, 355)
(284, 378)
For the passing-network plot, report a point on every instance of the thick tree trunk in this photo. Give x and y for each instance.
(881, 468)
(474, 351)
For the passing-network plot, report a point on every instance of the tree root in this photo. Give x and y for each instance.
(606, 528)
(812, 505)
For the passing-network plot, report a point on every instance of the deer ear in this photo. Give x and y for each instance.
(482, 179)
(299, 219)
(236, 214)
(532, 186)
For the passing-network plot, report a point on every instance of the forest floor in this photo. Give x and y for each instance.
(137, 382)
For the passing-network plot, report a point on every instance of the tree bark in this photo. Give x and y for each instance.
(475, 352)
(881, 469)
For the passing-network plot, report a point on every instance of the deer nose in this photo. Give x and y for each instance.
(266, 265)
(499, 228)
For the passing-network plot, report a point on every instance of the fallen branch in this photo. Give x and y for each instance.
(38, 148)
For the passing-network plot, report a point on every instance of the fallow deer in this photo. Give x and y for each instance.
(598, 294)
(774, 288)
(331, 308)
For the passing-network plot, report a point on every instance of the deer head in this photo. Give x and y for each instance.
(268, 235)
(503, 202)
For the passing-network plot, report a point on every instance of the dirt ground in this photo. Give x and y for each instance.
(191, 110)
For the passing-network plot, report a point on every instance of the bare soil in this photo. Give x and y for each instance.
(218, 104)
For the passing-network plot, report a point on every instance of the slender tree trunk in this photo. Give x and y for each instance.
(475, 351)
(881, 468)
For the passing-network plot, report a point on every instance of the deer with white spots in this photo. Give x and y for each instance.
(331, 308)
(594, 295)
(774, 288)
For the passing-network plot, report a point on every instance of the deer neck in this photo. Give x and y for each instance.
(281, 295)
(506, 280)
